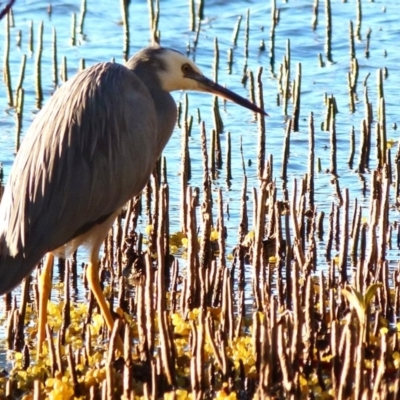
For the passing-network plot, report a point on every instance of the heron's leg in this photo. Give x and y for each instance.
(44, 287)
(92, 274)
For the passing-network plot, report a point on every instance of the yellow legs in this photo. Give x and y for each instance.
(92, 274)
(44, 288)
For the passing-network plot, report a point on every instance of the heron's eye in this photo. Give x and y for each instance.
(186, 68)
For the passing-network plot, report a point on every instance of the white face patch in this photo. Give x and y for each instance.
(172, 77)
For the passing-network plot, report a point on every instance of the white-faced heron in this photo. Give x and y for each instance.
(88, 151)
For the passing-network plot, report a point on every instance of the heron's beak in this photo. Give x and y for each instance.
(207, 85)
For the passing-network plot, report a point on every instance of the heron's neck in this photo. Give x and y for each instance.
(166, 113)
(165, 106)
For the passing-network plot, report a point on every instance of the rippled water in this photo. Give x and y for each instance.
(103, 40)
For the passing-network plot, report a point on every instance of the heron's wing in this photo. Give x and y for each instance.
(89, 150)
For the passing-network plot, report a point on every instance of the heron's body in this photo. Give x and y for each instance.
(88, 151)
(67, 191)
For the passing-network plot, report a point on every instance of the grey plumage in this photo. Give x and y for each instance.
(89, 150)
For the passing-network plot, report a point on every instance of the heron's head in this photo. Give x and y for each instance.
(175, 71)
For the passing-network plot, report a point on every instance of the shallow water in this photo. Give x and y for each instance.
(103, 40)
